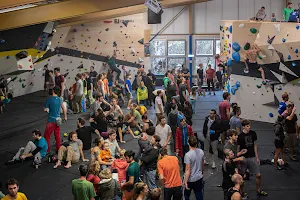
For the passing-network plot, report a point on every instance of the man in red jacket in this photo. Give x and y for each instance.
(183, 132)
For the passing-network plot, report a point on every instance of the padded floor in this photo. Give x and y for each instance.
(26, 113)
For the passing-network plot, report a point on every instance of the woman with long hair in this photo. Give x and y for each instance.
(93, 175)
(140, 191)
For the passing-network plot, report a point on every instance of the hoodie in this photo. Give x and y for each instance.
(108, 189)
(142, 94)
(121, 165)
(166, 81)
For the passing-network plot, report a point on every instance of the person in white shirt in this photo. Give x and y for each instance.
(159, 107)
(78, 94)
(164, 131)
(261, 14)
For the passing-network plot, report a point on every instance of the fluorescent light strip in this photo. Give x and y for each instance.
(17, 8)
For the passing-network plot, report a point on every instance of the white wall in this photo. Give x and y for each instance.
(207, 15)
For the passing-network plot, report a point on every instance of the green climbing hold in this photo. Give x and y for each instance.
(264, 83)
(258, 86)
(253, 30)
(14, 79)
(20, 80)
(259, 57)
(246, 47)
(23, 86)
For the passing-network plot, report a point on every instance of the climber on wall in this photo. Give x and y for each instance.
(113, 66)
(252, 52)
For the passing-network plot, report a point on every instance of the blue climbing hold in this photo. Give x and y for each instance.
(238, 84)
(297, 27)
(271, 115)
(294, 64)
(229, 62)
(236, 47)
(236, 56)
(296, 50)
(289, 57)
(283, 40)
(2, 41)
(230, 29)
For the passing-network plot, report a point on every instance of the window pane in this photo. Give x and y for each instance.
(176, 48)
(175, 63)
(218, 46)
(204, 47)
(158, 66)
(158, 48)
(205, 61)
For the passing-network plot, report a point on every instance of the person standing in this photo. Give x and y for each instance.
(169, 175)
(59, 81)
(151, 87)
(159, 107)
(93, 75)
(279, 141)
(210, 75)
(235, 121)
(90, 88)
(78, 95)
(282, 104)
(185, 72)
(182, 92)
(261, 14)
(132, 175)
(150, 162)
(234, 193)
(287, 11)
(224, 111)
(81, 188)
(247, 140)
(291, 128)
(200, 76)
(128, 88)
(52, 106)
(164, 131)
(142, 94)
(194, 166)
(47, 79)
(13, 190)
(229, 168)
(125, 73)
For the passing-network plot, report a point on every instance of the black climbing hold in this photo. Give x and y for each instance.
(115, 44)
(125, 22)
(80, 66)
(141, 41)
(107, 29)
(99, 40)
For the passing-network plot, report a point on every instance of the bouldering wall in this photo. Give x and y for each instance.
(279, 58)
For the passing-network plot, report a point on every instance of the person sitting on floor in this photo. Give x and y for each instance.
(123, 127)
(36, 149)
(112, 142)
(105, 155)
(109, 188)
(120, 165)
(99, 121)
(147, 122)
(71, 151)
(100, 103)
(84, 133)
(135, 118)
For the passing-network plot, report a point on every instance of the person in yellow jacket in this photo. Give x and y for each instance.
(142, 94)
(13, 191)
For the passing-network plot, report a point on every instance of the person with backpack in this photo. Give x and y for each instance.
(173, 119)
(108, 187)
(279, 141)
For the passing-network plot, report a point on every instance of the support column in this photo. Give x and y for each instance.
(191, 30)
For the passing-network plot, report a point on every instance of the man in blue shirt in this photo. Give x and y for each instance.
(128, 87)
(52, 106)
(36, 149)
(282, 104)
(295, 16)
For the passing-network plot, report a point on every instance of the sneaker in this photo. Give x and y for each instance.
(262, 193)
(213, 166)
(278, 167)
(11, 162)
(205, 162)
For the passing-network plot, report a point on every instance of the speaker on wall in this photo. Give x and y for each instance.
(154, 18)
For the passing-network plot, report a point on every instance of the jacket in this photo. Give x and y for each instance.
(178, 138)
(279, 131)
(145, 145)
(166, 81)
(216, 126)
(108, 188)
(142, 94)
(172, 119)
(121, 166)
(150, 159)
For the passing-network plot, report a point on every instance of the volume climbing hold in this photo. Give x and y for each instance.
(230, 29)
(294, 64)
(297, 27)
(229, 62)
(289, 57)
(271, 115)
(238, 84)
(236, 47)
(242, 25)
(236, 56)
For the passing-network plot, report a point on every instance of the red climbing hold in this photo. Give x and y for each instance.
(20, 66)
(31, 67)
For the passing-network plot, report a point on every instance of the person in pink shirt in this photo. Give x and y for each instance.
(210, 75)
(224, 111)
(121, 165)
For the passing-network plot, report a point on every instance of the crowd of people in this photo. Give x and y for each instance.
(168, 147)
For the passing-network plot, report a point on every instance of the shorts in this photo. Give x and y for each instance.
(251, 164)
(225, 125)
(253, 66)
(279, 144)
(129, 95)
(290, 139)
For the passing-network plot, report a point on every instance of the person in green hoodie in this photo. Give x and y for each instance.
(167, 79)
(142, 94)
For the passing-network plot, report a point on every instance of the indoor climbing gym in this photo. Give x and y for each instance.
(149, 99)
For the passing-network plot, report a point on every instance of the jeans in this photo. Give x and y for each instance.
(210, 81)
(30, 147)
(193, 102)
(149, 179)
(50, 128)
(185, 149)
(197, 187)
(174, 192)
(214, 147)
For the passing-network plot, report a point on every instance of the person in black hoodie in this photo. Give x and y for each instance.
(151, 87)
(212, 128)
(84, 133)
(149, 160)
(279, 141)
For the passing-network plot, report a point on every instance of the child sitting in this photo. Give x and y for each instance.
(105, 155)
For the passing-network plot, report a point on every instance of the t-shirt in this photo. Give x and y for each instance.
(21, 196)
(158, 101)
(85, 135)
(281, 108)
(235, 122)
(246, 141)
(133, 170)
(137, 116)
(200, 73)
(168, 166)
(89, 82)
(54, 104)
(186, 71)
(223, 106)
(75, 147)
(260, 14)
(182, 89)
(290, 125)
(195, 159)
(82, 189)
(42, 143)
(228, 169)
(79, 88)
(210, 73)
(58, 80)
(116, 111)
(47, 75)
(232, 147)
(128, 83)
(287, 12)
(294, 16)
(93, 76)
(112, 146)
(163, 132)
